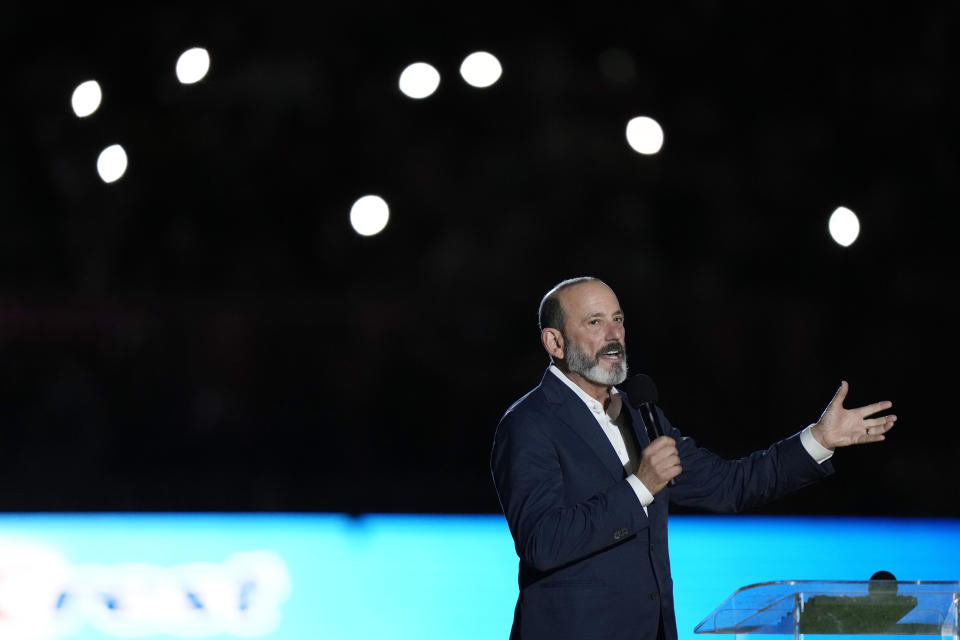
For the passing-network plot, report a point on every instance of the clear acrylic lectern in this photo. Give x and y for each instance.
(839, 607)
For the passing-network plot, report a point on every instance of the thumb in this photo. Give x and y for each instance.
(840, 395)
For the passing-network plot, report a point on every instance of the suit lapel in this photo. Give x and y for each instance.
(573, 412)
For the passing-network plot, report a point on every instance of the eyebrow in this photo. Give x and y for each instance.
(598, 314)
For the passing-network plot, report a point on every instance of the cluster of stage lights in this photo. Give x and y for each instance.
(370, 213)
(192, 66)
(481, 69)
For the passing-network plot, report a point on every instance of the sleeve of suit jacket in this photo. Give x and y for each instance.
(551, 526)
(729, 486)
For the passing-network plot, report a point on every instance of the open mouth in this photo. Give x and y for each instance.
(611, 352)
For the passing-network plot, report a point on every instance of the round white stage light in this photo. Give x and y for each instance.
(844, 226)
(644, 135)
(112, 163)
(419, 80)
(480, 69)
(193, 65)
(369, 215)
(86, 98)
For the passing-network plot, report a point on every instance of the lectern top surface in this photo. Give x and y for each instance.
(846, 607)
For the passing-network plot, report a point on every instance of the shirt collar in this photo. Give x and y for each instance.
(591, 402)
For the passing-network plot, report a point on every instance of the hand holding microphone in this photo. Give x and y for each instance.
(659, 464)
(660, 460)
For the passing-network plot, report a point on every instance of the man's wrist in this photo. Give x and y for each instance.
(814, 445)
(815, 432)
(643, 494)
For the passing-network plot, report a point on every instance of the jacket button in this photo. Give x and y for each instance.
(654, 595)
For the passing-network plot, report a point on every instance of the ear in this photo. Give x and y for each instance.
(552, 341)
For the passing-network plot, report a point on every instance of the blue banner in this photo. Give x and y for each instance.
(324, 576)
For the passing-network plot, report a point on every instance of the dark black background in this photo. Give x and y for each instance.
(209, 333)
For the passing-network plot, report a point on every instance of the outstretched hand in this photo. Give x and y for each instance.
(840, 427)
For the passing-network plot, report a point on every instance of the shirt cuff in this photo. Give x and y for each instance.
(643, 494)
(816, 450)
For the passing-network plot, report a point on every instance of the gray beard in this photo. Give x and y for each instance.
(591, 369)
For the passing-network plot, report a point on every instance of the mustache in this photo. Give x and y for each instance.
(611, 347)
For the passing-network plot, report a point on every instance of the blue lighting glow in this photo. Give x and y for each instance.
(292, 576)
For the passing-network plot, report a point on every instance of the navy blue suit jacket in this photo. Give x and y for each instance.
(593, 565)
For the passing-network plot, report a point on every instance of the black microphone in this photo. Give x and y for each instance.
(642, 395)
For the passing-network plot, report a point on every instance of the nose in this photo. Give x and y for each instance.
(615, 331)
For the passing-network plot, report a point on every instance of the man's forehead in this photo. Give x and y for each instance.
(589, 297)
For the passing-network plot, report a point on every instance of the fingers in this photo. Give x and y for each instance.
(668, 464)
(662, 453)
(659, 463)
(884, 423)
(864, 411)
(876, 428)
(879, 426)
(661, 443)
(876, 407)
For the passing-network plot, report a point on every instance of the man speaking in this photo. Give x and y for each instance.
(586, 491)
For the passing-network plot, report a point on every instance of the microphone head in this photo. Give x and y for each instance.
(640, 390)
(882, 583)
